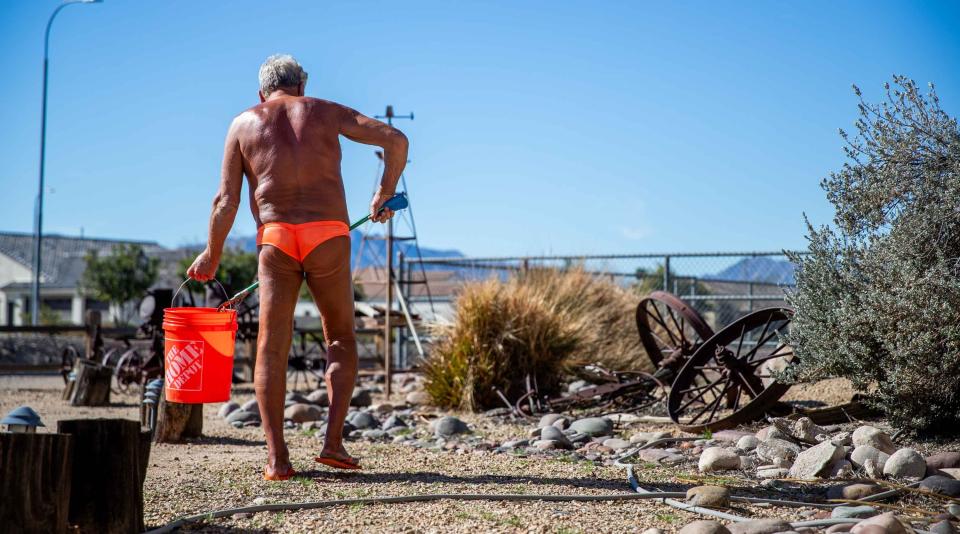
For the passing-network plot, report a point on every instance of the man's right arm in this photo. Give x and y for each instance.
(362, 129)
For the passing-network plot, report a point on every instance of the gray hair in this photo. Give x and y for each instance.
(280, 70)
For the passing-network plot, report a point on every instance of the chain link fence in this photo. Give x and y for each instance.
(722, 286)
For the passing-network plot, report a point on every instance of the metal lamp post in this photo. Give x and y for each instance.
(38, 238)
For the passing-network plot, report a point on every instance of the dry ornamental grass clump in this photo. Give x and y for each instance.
(544, 323)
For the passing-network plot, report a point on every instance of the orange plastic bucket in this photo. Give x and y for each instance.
(198, 354)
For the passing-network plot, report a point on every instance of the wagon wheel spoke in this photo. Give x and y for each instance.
(715, 403)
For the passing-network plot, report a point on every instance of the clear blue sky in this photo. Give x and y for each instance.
(541, 127)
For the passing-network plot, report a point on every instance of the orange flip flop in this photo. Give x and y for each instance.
(290, 473)
(330, 461)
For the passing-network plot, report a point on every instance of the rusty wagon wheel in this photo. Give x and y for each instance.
(670, 330)
(729, 380)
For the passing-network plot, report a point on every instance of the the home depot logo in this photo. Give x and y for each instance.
(184, 365)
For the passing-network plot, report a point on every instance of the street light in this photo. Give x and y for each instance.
(38, 238)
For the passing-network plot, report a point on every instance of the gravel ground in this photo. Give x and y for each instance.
(223, 470)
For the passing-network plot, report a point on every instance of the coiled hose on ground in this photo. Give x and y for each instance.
(639, 493)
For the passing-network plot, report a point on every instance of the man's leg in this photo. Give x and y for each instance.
(280, 279)
(328, 276)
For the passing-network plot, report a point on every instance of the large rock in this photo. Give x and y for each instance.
(364, 421)
(550, 432)
(941, 485)
(394, 421)
(319, 397)
(361, 398)
(227, 409)
(863, 452)
(418, 398)
(301, 413)
(778, 452)
(853, 492)
(873, 436)
(760, 526)
(805, 429)
(887, 521)
(709, 496)
(704, 527)
(250, 406)
(748, 443)
(593, 426)
(551, 419)
(942, 460)
(905, 463)
(718, 459)
(243, 416)
(816, 461)
(449, 426)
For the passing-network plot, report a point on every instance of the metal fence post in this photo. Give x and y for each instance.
(666, 273)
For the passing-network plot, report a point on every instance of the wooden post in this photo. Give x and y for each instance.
(93, 340)
(35, 482)
(92, 386)
(177, 421)
(109, 467)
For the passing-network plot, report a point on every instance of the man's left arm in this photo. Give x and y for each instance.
(225, 205)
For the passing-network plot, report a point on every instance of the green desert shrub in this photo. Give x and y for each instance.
(878, 297)
(543, 323)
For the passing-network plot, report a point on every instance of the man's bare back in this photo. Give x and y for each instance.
(288, 146)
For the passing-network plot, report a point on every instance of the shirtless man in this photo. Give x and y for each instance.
(288, 146)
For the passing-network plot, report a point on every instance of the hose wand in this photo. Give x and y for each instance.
(396, 203)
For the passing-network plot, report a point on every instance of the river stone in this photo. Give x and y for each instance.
(449, 426)
(616, 444)
(772, 472)
(718, 459)
(394, 421)
(806, 430)
(853, 492)
(942, 460)
(550, 444)
(375, 434)
(227, 408)
(863, 452)
(296, 398)
(748, 443)
(777, 451)
(243, 416)
(943, 527)
(887, 521)
(771, 432)
(853, 511)
(730, 436)
(364, 421)
(360, 398)
(709, 496)
(816, 461)
(251, 406)
(553, 433)
(941, 485)
(840, 527)
(514, 443)
(652, 531)
(873, 436)
(593, 426)
(704, 527)
(418, 398)
(760, 526)
(301, 413)
(952, 472)
(319, 397)
(905, 463)
(551, 418)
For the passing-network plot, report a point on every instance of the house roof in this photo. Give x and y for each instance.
(63, 256)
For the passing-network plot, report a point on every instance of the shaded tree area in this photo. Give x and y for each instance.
(120, 277)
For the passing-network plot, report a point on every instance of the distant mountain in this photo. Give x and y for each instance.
(373, 249)
(761, 269)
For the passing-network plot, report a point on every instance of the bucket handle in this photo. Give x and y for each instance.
(185, 282)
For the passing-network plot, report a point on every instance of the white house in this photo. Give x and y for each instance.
(62, 269)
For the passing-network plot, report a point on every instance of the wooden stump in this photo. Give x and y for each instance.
(109, 467)
(177, 421)
(34, 482)
(92, 384)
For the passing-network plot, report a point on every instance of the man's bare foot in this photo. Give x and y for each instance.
(338, 457)
(277, 471)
